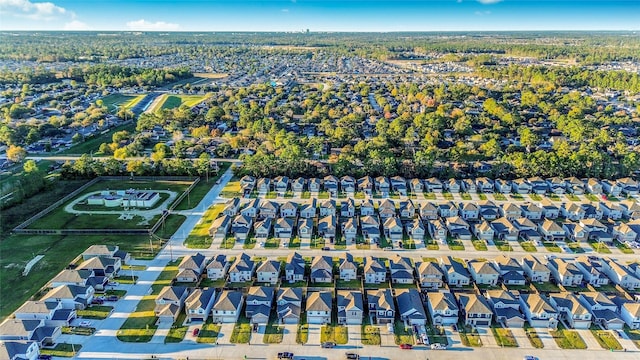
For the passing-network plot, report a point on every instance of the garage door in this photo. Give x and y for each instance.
(197, 319)
(482, 322)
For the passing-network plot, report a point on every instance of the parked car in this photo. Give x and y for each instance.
(326, 248)
(113, 283)
(406, 346)
(352, 356)
(328, 345)
(390, 328)
(438, 346)
(45, 357)
(530, 357)
(196, 331)
(97, 301)
(112, 298)
(285, 355)
(85, 323)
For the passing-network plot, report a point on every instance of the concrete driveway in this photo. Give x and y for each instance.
(386, 338)
(289, 334)
(521, 337)
(225, 333)
(314, 334)
(355, 335)
(589, 339)
(547, 339)
(487, 338)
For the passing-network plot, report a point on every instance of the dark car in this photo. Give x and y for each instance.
(97, 301)
(352, 356)
(328, 345)
(196, 331)
(45, 357)
(112, 298)
(326, 248)
(406, 346)
(285, 355)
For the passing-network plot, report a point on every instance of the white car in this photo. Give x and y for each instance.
(85, 323)
(438, 346)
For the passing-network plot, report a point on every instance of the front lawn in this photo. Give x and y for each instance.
(503, 245)
(241, 333)
(77, 330)
(62, 350)
(370, 334)
(546, 287)
(567, 339)
(480, 245)
(437, 335)
(552, 247)
(402, 334)
(178, 330)
(634, 335)
(504, 337)
(599, 247)
(302, 335)
(575, 247)
(606, 339)
(469, 337)
(273, 333)
(623, 247)
(528, 246)
(499, 197)
(334, 333)
(455, 244)
(465, 196)
(98, 312)
(209, 333)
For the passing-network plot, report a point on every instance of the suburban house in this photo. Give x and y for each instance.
(305, 228)
(191, 267)
(565, 273)
(381, 306)
(232, 207)
(250, 209)
(428, 211)
(289, 209)
(627, 232)
(71, 297)
(443, 308)
(264, 186)
(393, 229)
(571, 310)
(348, 208)
(437, 230)
(297, 185)
(628, 186)
(169, 303)
(349, 229)
(227, 307)
(433, 185)
(331, 185)
(574, 231)
(430, 275)
(416, 230)
(198, 304)
(551, 231)
(220, 226)
(611, 210)
(469, 211)
(289, 305)
(407, 209)
(510, 211)
(242, 269)
(410, 308)
(102, 266)
(399, 185)
(483, 231)
(258, 304)
(367, 208)
(294, 268)
(447, 209)
(314, 185)
(539, 311)
(322, 269)
(383, 186)
(630, 313)
(575, 186)
(262, 228)
(327, 228)
(365, 185)
(502, 186)
(620, 274)
(78, 278)
(401, 270)
(452, 186)
(504, 229)
(51, 312)
(386, 209)
(308, 210)
(484, 185)
(572, 211)
(247, 184)
(319, 307)
(531, 211)
(557, 186)
(348, 268)
(594, 186)
(483, 272)
(455, 272)
(348, 184)
(350, 307)
(105, 251)
(521, 186)
(549, 209)
(370, 227)
(268, 272)
(591, 271)
(281, 184)
(603, 310)
(375, 271)
(535, 270)
(458, 228)
(469, 185)
(475, 309)
(241, 226)
(269, 209)
(506, 308)
(218, 267)
(19, 350)
(29, 330)
(416, 186)
(283, 228)
(510, 270)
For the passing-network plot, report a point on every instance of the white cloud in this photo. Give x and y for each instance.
(487, 2)
(76, 25)
(34, 10)
(144, 25)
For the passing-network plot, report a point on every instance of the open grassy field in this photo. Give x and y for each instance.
(62, 350)
(199, 237)
(175, 101)
(95, 312)
(60, 219)
(58, 252)
(115, 101)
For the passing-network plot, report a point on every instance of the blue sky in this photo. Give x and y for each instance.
(319, 15)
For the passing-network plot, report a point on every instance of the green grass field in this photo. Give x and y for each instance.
(114, 101)
(504, 337)
(338, 334)
(92, 144)
(175, 101)
(606, 340)
(568, 339)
